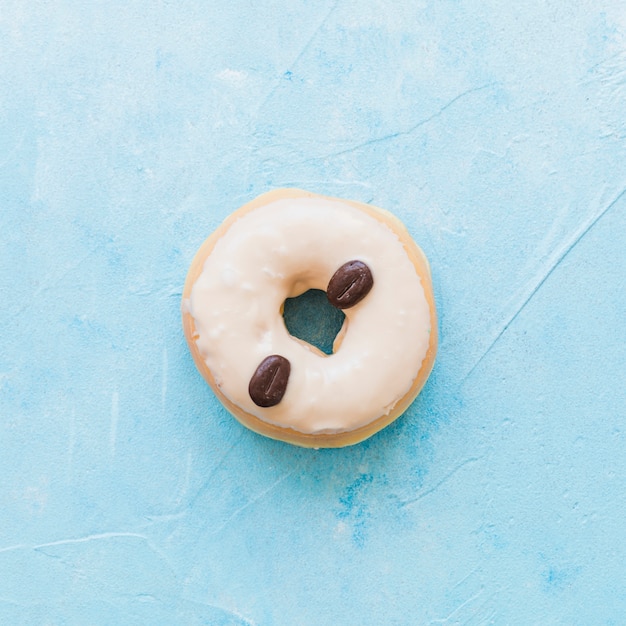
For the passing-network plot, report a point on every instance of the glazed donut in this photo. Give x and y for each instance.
(279, 246)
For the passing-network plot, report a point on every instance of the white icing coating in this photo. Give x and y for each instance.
(281, 250)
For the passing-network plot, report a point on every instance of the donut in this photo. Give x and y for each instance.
(279, 246)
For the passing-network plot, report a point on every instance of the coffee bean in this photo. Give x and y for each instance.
(349, 284)
(269, 383)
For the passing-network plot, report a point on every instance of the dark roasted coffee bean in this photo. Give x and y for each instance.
(269, 383)
(349, 284)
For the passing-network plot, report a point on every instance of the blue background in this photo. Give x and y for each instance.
(495, 130)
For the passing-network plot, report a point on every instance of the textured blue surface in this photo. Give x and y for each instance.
(496, 131)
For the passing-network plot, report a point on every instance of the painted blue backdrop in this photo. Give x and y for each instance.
(495, 130)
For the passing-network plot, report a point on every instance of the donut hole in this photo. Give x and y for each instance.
(311, 318)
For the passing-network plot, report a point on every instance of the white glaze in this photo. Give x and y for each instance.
(281, 250)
